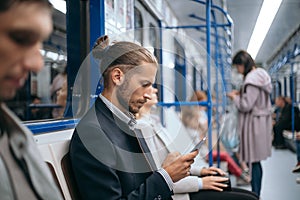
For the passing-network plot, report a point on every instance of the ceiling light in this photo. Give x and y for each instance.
(59, 5)
(265, 18)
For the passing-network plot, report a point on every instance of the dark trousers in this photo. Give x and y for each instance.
(235, 194)
(278, 135)
(298, 150)
(256, 178)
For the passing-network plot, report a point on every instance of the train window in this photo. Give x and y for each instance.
(180, 72)
(276, 90)
(153, 40)
(152, 35)
(138, 25)
(198, 82)
(44, 94)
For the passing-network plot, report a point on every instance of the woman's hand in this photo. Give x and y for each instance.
(232, 94)
(212, 171)
(214, 183)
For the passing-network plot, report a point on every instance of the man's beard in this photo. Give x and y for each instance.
(122, 93)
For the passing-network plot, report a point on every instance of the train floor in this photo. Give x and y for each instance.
(279, 183)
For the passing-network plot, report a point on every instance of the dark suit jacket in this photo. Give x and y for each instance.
(108, 162)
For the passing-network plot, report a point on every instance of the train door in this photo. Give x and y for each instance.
(180, 72)
(146, 25)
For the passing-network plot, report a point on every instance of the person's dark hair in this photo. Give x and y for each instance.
(34, 96)
(244, 58)
(124, 55)
(7, 4)
(282, 98)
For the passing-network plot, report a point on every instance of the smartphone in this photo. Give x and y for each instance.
(198, 146)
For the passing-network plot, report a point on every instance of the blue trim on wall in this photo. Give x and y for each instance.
(51, 126)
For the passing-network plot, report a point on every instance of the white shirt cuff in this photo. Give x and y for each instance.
(200, 183)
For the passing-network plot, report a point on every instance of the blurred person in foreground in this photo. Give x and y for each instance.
(109, 156)
(24, 25)
(255, 116)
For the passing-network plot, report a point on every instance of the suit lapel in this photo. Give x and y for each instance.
(145, 149)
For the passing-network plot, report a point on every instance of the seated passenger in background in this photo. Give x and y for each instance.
(57, 85)
(24, 25)
(284, 121)
(109, 156)
(202, 110)
(36, 113)
(197, 128)
(61, 99)
(201, 184)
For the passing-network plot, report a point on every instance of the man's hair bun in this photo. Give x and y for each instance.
(100, 46)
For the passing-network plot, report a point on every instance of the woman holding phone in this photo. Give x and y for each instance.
(255, 116)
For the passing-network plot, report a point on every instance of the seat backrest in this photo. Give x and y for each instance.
(56, 155)
(52, 170)
(69, 177)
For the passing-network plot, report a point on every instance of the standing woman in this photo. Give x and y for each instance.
(255, 120)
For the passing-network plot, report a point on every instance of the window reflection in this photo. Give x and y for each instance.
(42, 95)
(138, 25)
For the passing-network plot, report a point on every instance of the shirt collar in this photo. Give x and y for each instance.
(128, 117)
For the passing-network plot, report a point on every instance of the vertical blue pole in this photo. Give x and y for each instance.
(217, 85)
(97, 20)
(285, 86)
(97, 29)
(201, 80)
(276, 94)
(74, 49)
(292, 97)
(161, 89)
(209, 107)
(277, 86)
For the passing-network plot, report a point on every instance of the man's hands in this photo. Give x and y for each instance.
(178, 166)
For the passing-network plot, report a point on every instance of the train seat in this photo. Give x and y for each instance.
(290, 140)
(57, 158)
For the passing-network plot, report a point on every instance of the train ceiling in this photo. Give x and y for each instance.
(244, 14)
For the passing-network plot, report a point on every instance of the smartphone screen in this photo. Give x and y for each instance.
(198, 146)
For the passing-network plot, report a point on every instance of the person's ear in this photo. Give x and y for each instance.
(117, 76)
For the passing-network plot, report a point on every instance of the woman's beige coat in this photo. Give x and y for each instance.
(255, 123)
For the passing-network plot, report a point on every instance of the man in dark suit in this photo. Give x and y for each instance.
(109, 157)
(284, 121)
